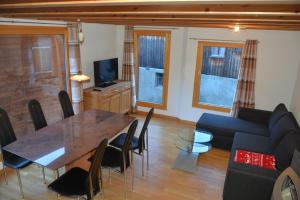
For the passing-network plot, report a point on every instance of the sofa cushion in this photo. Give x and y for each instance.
(283, 126)
(227, 126)
(257, 182)
(254, 143)
(249, 183)
(285, 149)
(277, 113)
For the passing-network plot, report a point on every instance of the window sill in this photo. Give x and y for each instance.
(152, 105)
(211, 107)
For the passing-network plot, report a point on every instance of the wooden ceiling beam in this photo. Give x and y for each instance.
(285, 16)
(277, 8)
(204, 25)
(178, 21)
(217, 19)
(93, 3)
(156, 13)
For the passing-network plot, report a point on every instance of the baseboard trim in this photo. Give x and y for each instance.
(144, 113)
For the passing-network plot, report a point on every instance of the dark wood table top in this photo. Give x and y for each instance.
(63, 142)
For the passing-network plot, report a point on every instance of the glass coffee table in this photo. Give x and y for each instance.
(191, 144)
(194, 142)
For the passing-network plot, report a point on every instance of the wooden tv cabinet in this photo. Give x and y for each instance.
(115, 98)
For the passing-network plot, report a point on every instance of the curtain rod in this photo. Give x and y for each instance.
(151, 27)
(218, 40)
(238, 41)
(33, 22)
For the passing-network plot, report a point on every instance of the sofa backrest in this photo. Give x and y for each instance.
(279, 111)
(283, 126)
(285, 149)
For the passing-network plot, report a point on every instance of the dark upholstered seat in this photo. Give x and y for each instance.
(137, 143)
(78, 182)
(13, 161)
(254, 143)
(119, 141)
(115, 157)
(227, 126)
(224, 128)
(7, 136)
(269, 132)
(244, 179)
(71, 183)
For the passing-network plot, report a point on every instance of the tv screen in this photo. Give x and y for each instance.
(105, 72)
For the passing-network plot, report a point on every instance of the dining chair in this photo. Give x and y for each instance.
(119, 158)
(37, 114)
(7, 136)
(138, 143)
(38, 119)
(79, 182)
(66, 104)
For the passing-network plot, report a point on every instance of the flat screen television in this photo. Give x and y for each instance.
(105, 72)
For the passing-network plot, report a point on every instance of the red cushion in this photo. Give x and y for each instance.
(255, 159)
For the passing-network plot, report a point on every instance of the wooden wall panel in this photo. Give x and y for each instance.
(26, 75)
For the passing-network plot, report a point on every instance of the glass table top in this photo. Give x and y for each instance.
(193, 147)
(196, 136)
(197, 141)
(63, 142)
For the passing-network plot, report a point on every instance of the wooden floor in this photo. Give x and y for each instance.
(160, 182)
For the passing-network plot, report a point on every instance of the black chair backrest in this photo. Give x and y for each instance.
(37, 115)
(92, 183)
(66, 104)
(7, 134)
(129, 137)
(144, 129)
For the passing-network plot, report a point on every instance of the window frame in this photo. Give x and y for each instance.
(167, 35)
(197, 79)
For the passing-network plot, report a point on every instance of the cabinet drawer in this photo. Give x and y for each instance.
(116, 98)
(115, 103)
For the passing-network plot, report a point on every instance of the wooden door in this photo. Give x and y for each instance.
(125, 101)
(115, 103)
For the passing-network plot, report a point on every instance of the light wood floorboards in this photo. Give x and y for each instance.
(160, 183)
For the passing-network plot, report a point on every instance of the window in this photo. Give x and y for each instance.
(152, 49)
(159, 77)
(216, 75)
(42, 59)
(217, 52)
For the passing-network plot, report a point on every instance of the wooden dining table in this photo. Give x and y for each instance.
(66, 142)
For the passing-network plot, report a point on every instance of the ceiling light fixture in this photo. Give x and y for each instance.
(236, 28)
(80, 33)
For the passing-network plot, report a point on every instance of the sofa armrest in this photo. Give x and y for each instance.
(248, 185)
(254, 115)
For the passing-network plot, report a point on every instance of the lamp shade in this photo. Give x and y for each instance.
(81, 78)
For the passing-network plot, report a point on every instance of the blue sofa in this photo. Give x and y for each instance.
(269, 132)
